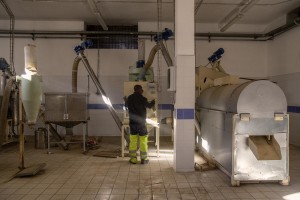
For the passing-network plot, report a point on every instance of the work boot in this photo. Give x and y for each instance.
(133, 160)
(144, 161)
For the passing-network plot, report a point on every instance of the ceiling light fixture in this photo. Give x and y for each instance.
(236, 14)
(97, 14)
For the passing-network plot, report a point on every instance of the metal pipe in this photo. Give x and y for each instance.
(102, 92)
(4, 109)
(11, 33)
(21, 135)
(95, 34)
(159, 46)
(80, 32)
(74, 74)
(282, 29)
(149, 62)
(16, 98)
(165, 53)
(72, 35)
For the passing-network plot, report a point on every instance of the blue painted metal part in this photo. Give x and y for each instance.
(181, 112)
(185, 113)
(3, 64)
(140, 63)
(163, 35)
(293, 109)
(216, 55)
(84, 45)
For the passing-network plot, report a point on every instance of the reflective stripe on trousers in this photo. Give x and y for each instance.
(133, 145)
(144, 146)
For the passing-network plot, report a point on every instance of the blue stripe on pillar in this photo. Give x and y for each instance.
(185, 113)
(293, 109)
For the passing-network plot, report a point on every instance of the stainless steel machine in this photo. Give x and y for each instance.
(20, 100)
(67, 110)
(143, 75)
(244, 127)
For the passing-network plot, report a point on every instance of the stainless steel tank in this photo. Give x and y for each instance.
(244, 129)
(66, 109)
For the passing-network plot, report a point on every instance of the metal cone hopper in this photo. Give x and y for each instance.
(31, 96)
(31, 89)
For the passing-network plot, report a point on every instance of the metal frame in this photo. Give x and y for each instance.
(281, 132)
(84, 135)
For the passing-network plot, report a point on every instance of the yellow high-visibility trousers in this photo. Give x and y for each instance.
(133, 148)
(144, 147)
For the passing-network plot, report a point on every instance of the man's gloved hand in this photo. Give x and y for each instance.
(153, 103)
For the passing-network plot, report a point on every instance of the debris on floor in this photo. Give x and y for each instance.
(108, 150)
(202, 163)
(31, 170)
(204, 166)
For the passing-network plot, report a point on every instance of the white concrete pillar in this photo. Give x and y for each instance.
(184, 130)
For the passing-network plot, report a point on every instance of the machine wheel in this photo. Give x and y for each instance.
(235, 183)
(285, 182)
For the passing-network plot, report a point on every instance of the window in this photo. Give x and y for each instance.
(114, 41)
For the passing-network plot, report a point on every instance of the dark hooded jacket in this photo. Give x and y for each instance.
(137, 105)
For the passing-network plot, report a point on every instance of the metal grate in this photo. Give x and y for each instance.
(114, 41)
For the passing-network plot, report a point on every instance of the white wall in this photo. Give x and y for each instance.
(242, 58)
(284, 53)
(284, 68)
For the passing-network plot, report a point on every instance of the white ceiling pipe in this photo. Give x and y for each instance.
(97, 14)
(236, 14)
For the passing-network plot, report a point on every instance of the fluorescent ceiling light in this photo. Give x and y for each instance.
(97, 13)
(236, 14)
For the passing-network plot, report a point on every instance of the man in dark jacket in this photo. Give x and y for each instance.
(137, 105)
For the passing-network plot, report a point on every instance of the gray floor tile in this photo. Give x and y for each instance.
(73, 175)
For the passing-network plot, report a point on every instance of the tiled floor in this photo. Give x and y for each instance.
(73, 175)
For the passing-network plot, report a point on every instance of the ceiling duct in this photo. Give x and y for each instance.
(292, 20)
(293, 15)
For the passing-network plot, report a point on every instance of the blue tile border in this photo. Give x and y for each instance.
(185, 113)
(182, 113)
(293, 109)
(120, 106)
(165, 106)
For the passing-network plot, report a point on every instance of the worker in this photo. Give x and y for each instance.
(137, 105)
